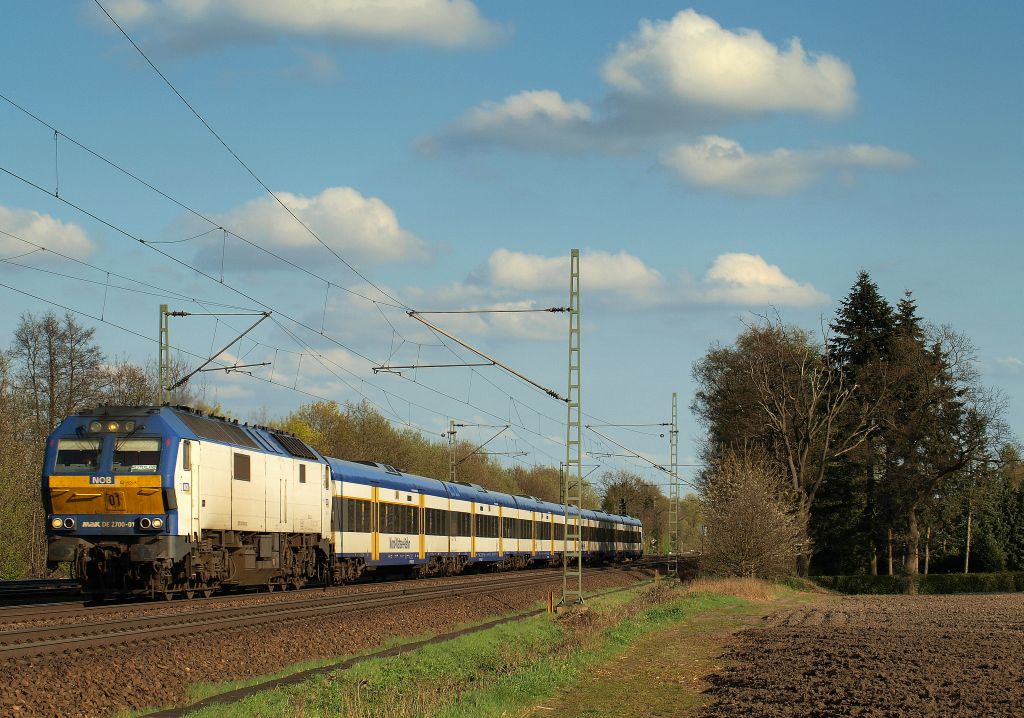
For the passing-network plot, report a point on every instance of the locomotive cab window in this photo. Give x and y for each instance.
(78, 455)
(241, 472)
(136, 455)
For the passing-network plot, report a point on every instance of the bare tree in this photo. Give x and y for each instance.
(59, 366)
(812, 411)
(128, 384)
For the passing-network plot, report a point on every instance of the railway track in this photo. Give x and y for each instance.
(34, 641)
(38, 589)
(44, 611)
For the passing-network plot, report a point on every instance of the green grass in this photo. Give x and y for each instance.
(489, 673)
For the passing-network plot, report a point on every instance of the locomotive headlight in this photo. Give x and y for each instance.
(129, 426)
(113, 426)
(69, 523)
(145, 523)
(158, 523)
(56, 523)
(95, 427)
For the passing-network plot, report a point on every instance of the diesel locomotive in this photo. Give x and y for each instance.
(166, 501)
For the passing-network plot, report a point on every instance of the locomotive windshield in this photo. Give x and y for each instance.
(77, 454)
(136, 455)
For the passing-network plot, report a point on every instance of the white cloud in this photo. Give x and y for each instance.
(529, 106)
(64, 237)
(621, 272)
(616, 281)
(362, 228)
(746, 279)
(693, 60)
(529, 120)
(675, 77)
(192, 25)
(723, 164)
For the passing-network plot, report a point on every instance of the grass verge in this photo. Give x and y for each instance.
(504, 669)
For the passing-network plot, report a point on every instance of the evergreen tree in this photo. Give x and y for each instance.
(862, 331)
(846, 517)
(907, 323)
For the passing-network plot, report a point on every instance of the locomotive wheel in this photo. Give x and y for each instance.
(190, 594)
(167, 595)
(207, 592)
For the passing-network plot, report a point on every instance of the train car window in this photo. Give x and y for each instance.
(544, 530)
(436, 522)
(486, 526)
(242, 470)
(302, 473)
(186, 455)
(396, 519)
(354, 515)
(136, 455)
(461, 523)
(387, 518)
(78, 455)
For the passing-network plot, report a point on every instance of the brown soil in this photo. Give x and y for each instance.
(893, 656)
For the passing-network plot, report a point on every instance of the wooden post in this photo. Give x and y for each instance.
(927, 548)
(889, 549)
(967, 551)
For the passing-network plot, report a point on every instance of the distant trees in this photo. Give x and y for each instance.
(882, 430)
(55, 367)
(359, 432)
(626, 492)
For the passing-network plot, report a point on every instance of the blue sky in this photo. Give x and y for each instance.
(711, 160)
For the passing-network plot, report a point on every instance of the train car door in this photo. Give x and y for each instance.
(192, 467)
(375, 525)
(421, 524)
(282, 483)
(501, 532)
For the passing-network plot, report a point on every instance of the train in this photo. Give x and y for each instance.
(169, 502)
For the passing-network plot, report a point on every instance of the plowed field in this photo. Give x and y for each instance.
(893, 656)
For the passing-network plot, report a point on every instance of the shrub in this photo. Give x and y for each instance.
(752, 527)
(935, 583)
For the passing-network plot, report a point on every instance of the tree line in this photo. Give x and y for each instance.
(875, 445)
(54, 367)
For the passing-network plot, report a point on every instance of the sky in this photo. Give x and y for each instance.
(712, 161)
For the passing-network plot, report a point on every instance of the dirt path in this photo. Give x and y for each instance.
(664, 673)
